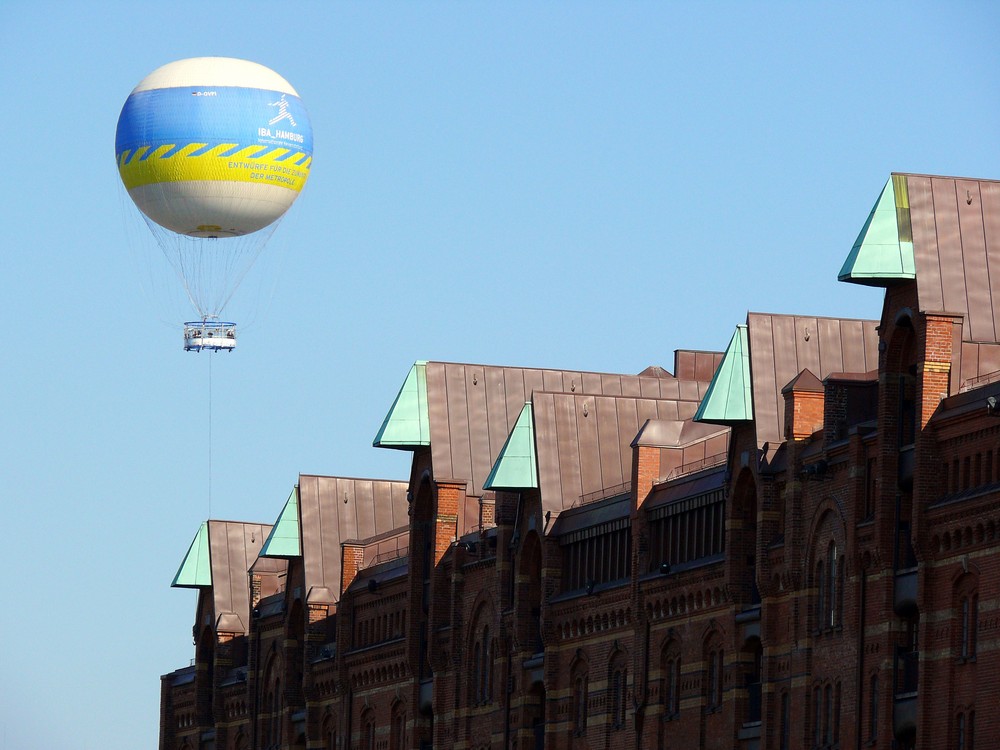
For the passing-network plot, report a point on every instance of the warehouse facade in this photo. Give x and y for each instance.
(788, 544)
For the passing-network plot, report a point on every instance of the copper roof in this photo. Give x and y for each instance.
(695, 365)
(336, 509)
(233, 548)
(942, 232)
(472, 409)
(584, 442)
(956, 232)
(782, 346)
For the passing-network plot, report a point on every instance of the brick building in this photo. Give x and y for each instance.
(788, 544)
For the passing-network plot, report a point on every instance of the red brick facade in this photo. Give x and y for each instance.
(840, 590)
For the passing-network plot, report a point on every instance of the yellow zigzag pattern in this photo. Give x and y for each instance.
(253, 164)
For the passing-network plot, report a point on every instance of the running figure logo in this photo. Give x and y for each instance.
(283, 113)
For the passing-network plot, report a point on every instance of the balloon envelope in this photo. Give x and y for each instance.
(213, 146)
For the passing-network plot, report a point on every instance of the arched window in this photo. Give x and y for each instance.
(786, 722)
(969, 617)
(828, 714)
(714, 675)
(873, 708)
(671, 693)
(820, 614)
(477, 669)
(817, 716)
(397, 727)
(481, 679)
(368, 730)
(579, 676)
(618, 688)
(833, 590)
(486, 686)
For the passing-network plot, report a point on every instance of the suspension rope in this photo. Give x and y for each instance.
(210, 434)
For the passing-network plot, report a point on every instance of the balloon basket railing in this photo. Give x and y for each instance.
(211, 335)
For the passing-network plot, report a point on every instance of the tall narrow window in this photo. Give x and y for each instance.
(873, 708)
(713, 682)
(616, 698)
(477, 668)
(828, 714)
(487, 685)
(820, 598)
(671, 686)
(397, 729)
(839, 603)
(833, 562)
(580, 704)
(786, 722)
(960, 732)
(817, 716)
(580, 679)
(969, 614)
(618, 687)
(836, 714)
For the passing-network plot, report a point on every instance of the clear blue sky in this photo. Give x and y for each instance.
(577, 185)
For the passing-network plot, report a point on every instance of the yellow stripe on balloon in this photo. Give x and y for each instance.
(254, 164)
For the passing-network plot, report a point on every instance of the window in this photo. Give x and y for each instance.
(820, 595)
(829, 582)
(837, 694)
(397, 729)
(871, 490)
(752, 680)
(617, 685)
(687, 530)
(486, 686)
(969, 623)
(671, 682)
(481, 678)
(600, 554)
(828, 714)
(817, 716)
(713, 678)
(873, 708)
(579, 677)
(786, 722)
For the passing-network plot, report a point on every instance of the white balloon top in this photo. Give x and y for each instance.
(215, 71)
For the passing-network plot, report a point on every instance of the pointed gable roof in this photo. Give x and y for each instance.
(230, 548)
(782, 346)
(471, 410)
(728, 400)
(950, 228)
(335, 509)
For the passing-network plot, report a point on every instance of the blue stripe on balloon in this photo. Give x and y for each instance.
(212, 115)
(197, 152)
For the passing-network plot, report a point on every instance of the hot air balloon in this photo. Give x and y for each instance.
(213, 151)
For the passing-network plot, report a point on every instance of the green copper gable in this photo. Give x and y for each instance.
(407, 425)
(283, 541)
(728, 399)
(883, 252)
(516, 467)
(196, 570)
